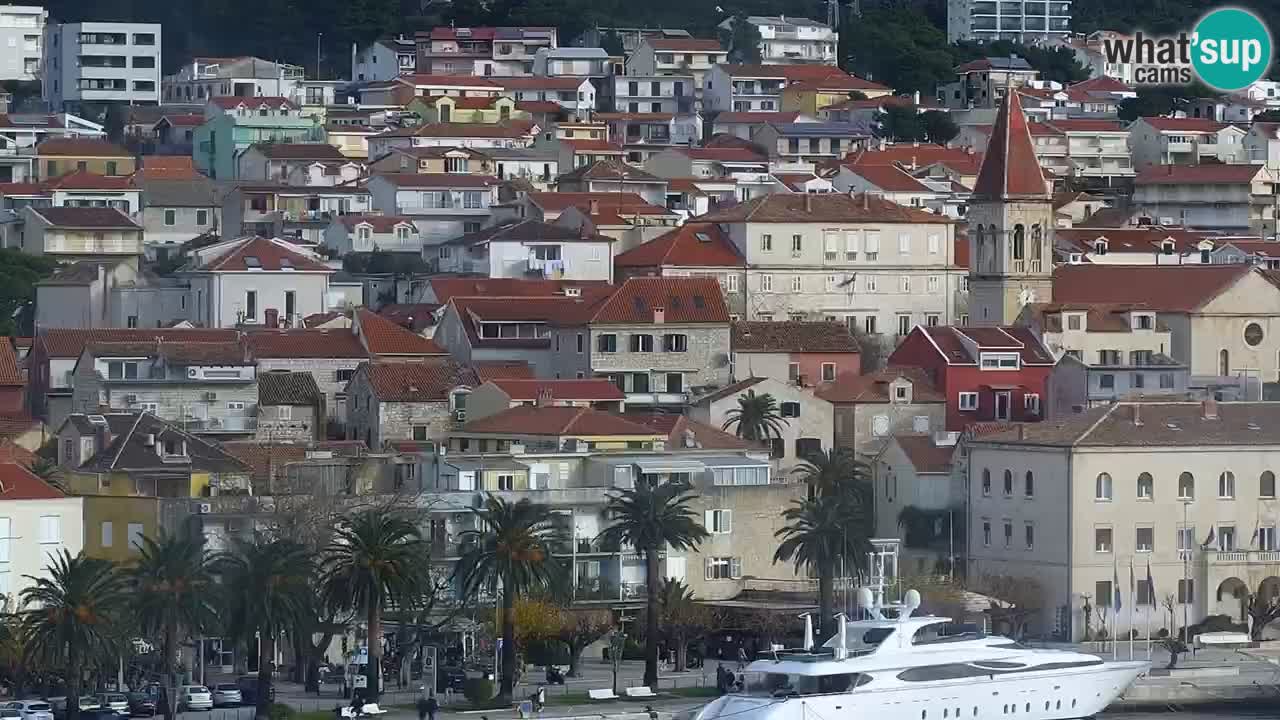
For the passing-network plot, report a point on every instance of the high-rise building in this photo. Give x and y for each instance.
(101, 62)
(1022, 22)
(21, 31)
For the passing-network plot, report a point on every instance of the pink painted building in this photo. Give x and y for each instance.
(796, 352)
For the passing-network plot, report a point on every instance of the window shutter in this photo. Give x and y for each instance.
(935, 243)
(727, 515)
(851, 241)
(735, 567)
(873, 241)
(706, 568)
(709, 519)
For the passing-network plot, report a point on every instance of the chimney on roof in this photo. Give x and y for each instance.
(808, 203)
(1209, 409)
(543, 398)
(1137, 414)
(594, 207)
(883, 144)
(913, 160)
(659, 315)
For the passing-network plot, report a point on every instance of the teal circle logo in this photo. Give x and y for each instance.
(1230, 49)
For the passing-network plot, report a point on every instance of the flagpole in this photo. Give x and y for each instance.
(1115, 607)
(1151, 595)
(1133, 609)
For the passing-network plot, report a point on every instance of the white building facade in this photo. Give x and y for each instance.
(101, 62)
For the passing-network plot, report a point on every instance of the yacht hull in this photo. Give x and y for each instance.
(1050, 695)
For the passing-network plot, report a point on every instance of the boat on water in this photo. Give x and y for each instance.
(908, 667)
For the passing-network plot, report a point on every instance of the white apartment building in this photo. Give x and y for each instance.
(1184, 141)
(1186, 489)
(793, 40)
(101, 62)
(385, 60)
(21, 37)
(743, 88)
(244, 77)
(1239, 198)
(666, 93)
(676, 56)
(1021, 22)
(880, 267)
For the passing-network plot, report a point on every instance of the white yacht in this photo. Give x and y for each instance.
(909, 668)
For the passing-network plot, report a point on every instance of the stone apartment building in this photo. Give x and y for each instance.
(805, 419)
(659, 339)
(421, 402)
(869, 409)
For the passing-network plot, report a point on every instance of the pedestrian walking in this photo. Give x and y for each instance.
(432, 706)
(421, 706)
(742, 657)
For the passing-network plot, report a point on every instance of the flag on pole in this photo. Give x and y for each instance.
(1115, 577)
(1115, 608)
(1209, 540)
(1133, 595)
(1151, 593)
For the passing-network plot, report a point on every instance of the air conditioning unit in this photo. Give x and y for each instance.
(210, 396)
(204, 508)
(193, 372)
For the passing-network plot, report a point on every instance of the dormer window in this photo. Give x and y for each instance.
(1076, 258)
(1100, 247)
(1144, 321)
(999, 360)
(1076, 321)
(1166, 247)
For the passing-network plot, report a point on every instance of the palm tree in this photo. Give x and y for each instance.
(756, 418)
(71, 615)
(820, 531)
(650, 518)
(835, 472)
(377, 557)
(171, 588)
(266, 587)
(511, 553)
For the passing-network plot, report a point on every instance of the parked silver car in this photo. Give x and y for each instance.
(32, 709)
(226, 695)
(114, 701)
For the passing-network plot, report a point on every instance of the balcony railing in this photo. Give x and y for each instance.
(1252, 557)
(220, 424)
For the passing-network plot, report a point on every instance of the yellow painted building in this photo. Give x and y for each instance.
(810, 97)
(452, 109)
(113, 525)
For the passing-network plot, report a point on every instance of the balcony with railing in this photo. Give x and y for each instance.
(1244, 557)
(215, 425)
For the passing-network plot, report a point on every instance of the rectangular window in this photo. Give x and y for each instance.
(170, 217)
(719, 522)
(5, 533)
(420, 433)
(766, 283)
(1102, 594)
(873, 244)
(1008, 533)
(1102, 540)
(904, 284)
(968, 401)
(581, 343)
(1186, 538)
(797, 283)
(766, 243)
(932, 284)
(851, 245)
(135, 537)
(789, 409)
(107, 538)
(1166, 381)
(250, 304)
(986, 533)
(828, 372)
(723, 568)
(797, 245)
(999, 361)
(1146, 596)
(1145, 539)
(202, 217)
(607, 343)
(675, 342)
(641, 343)
(904, 324)
(1226, 538)
(869, 324)
(904, 243)
(1030, 532)
(50, 529)
(935, 243)
(731, 282)
(1267, 538)
(1031, 403)
(1186, 591)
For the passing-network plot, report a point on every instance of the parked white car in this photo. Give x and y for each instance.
(195, 697)
(32, 709)
(226, 695)
(114, 701)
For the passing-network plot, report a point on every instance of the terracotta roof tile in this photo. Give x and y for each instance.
(19, 483)
(874, 387)
(87, 217)
(230, 103)
(445, 288)
(624, 203)
(540, 83)
(675, 427)
(1184, 124)
(1010, 168)
(299, 151)
(793, 337)
(81, 147)
(693, 244)
(1164, 424)
(1172, 288)
(418, 381)
(415, 317)
(924, 455)
(611, 170)
(724, 154)
(9, 372)
(458, 130)
(488, 370)
(889, 178)
(272, 255)
(557, 421)
(821, 208)
(383, 337)
(683, 300)
(380, 223)
(447, 80)
(685, 45)
(308, 343)
(1207, 174)
(266, 460)
(951, 343)
(69, 343)
(913, 155)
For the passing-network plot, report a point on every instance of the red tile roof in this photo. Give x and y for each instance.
(9, 373)
(889, 178)
(299, 151)
(592, 146)
(87, 217)
(168, 167)
(685, 45)
(724, 154)
(1069, 126)
(458, 130)
(528, 309)
(622, 203)
(182, 119)
(840, 82)
(1101, 83)
(468, 102)
(272, 255)
(874, 387)
(1184, 124)
(487, 370)
(1010, 169)
(693, 244)
(951, 343)
(418, 381)
(446, 80)
(678, 427)
(1172, 288)
(557, 421)
(447, 288)
(230, 103)
(683, 300)
(793, 337)
(306, 343)
(1141, 239)
(821, 208)
(69, 343)
(538, 106)
(1207, 174)
(917, 155)
(19, 483)
(85, 180)
(81, 147)
(924, 455)
(540, 83)
(588, 389)
(383, 337)
(792, 73)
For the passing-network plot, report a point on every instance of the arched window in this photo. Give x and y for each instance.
(980, 246)
(1227, 485)
(1037, 242)
(1224, 362)
(1102, 487)
(1029, 485)
(1186, 486)
(986, 482)
(1008, 483)
(1146, 486)
(1267, 484)
(1019, 242)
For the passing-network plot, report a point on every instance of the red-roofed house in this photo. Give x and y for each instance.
(916, 471)
(443, 205)
(657, 339)
(889, 181)
(987, 373)
(13, 386)
(694, 248)
(71, 234)
(256, 281)
(39, 519)
(677, 56)
(1212, 196)
(407, 401)
(497, 395)
(1184, 141)
(388, 341)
